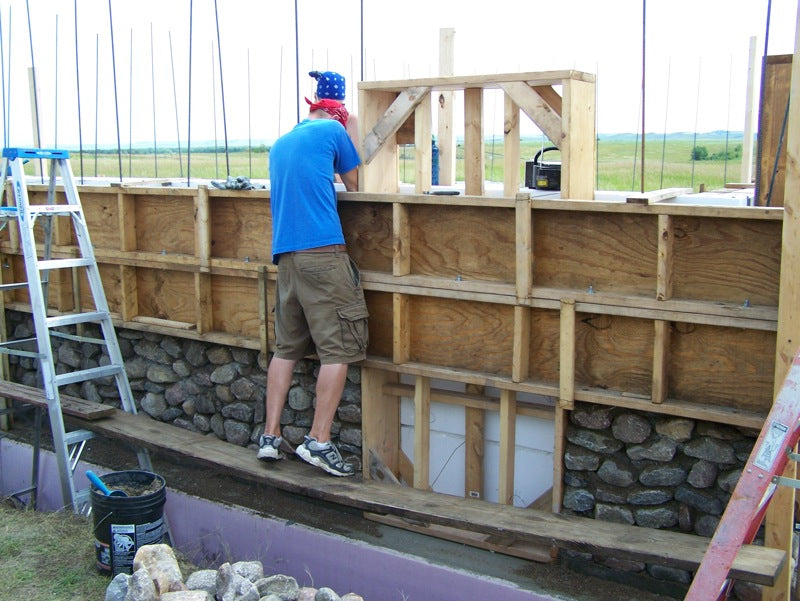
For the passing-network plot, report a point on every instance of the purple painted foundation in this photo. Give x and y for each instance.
(211, 533)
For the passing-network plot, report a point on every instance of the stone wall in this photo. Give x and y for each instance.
(203, 387)
(654, 471)
(623, 466)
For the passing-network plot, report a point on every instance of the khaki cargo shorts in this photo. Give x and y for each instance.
(320, 303)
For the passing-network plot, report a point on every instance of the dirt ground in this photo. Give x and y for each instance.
(557, 579)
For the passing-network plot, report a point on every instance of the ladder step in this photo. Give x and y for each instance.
(14, 286)
(87, 374)
(76, 318)
(76, 436)
(53, 209)
(64, 263)
(34, 153)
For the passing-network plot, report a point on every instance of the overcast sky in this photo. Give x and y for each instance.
(696, 60)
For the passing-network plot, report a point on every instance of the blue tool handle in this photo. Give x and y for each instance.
(98, 483)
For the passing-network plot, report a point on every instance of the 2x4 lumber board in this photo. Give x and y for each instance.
(566, 363)
(521, 352)
(401, 240)
(423, 151)
(202, 228)
(380, 418)
(657, 195)
(446, 139)
(472, 398)
(537, 109)
(524, 246)
(733, 416)
(474, 176)
(716, 212)
(666, 246)
(395, 115)
(263, 310)
(491, 81)
(578, 148)
(204, 305)
(775, 97)
(70, 405)
(780, 513)
(675, 549)
(474, 445)
(506, 545)
(511, 147)
(401, 330)
(660, 361)
(422, 432)
(379, 175)
(508, 420)
(126, 219)
(129, 307)
(559, 447)
(549, 95)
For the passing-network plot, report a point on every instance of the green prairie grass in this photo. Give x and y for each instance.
(619, 164)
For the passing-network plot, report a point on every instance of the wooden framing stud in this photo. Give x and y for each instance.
(423, 151)
(508, 418)
(202, 243)
(524, 246)
(511, 138)
(660, 361)
(522, 349)
(474, 176)
(422, 432)
(401, 330)
(566, 388)
(559, 446)
(474, 436)
(380, 419)
(666, 245)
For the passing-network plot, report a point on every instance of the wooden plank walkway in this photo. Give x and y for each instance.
(753, 564)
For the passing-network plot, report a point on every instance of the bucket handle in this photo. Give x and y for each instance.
(541, 152)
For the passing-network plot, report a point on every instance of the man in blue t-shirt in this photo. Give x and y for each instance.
(319, 304)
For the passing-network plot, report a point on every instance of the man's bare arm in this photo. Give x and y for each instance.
(350, 180)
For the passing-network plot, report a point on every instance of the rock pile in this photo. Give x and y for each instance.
(157, 577)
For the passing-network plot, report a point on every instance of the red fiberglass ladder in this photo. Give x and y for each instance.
(753, 492)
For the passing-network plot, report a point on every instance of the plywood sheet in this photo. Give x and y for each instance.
(235, 305)
(368, 233)
(167, 295)
(241, 228)
(607, 251)
(469, 335)
(726, 260)
(470, 242)
(165, 224)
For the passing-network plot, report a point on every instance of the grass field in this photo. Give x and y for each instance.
(667, 165)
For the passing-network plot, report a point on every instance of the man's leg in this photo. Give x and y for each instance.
(279, 378)
(330, 384)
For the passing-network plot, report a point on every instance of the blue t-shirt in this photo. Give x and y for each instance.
(303, 198)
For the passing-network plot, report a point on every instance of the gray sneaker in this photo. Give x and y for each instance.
(269, 447)
(324, 455)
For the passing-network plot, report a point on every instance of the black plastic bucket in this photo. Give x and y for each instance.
(124, 524)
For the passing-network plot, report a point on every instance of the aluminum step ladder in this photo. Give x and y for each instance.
(68, 445)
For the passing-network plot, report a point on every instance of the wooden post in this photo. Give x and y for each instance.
(578, 151)
(446, 136)
(423, 152)
(126, 220)
(204, 307)
(511, 147)
(522, 343)
(380, 419)
(566, 399)
(508, 417)
(747, 144)
(559, 445)
(780, 513)
(474, 436)
(422, 432)
(473, 142)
